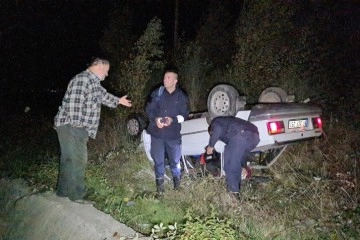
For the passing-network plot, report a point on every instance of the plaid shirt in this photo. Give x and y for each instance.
(81, 105)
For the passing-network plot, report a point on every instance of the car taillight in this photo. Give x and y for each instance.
(317, 123)
(275, 127)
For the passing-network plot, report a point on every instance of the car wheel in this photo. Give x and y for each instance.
(135, 124)
(273, 95)
(222, 101)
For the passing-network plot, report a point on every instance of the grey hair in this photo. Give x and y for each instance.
(97, 61)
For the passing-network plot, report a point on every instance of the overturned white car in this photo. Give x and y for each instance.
(279, 119)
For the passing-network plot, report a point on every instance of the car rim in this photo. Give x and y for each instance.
(133, 127)
(271, 97)
(221, 102)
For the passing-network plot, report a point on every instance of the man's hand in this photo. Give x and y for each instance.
(124, 101)
(159, 122)
(209, 150)
(167, 121)
(163, 121)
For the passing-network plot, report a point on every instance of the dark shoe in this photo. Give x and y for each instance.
(83, 201)
(176, 181)
(160, 185)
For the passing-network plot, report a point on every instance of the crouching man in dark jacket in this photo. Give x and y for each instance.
(166, 109)
(240, 137)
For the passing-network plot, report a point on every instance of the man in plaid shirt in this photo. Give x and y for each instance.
(77, 120)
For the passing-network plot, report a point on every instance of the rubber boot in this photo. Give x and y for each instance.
(160, 187)
(176, 181)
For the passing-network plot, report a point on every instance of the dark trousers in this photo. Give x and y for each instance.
(173, 151)
(73, 160)
(235, 155)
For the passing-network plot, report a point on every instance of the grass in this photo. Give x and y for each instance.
(313, 193)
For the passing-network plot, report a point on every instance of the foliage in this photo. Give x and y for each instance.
(118, 37)
(208, 227)
(145, 59)
(314, 189)
(160, 230)
(313, 193)
(216, 34)
(111, 137)
(273, 51)
(193, 71)
(258, 41)
(338, 35)
(210, 51)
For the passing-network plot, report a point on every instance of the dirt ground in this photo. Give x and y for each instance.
(34, 216)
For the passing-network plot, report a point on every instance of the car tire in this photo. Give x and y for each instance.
(222, 101)
(135, 124)
(273, 95)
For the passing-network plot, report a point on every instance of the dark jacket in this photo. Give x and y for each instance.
(224, 128)
(164, 104)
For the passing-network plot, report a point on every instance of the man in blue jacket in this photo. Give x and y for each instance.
(240, 137)
(167, 108)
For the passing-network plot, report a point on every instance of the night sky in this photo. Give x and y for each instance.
(45, 43)
(54, 39)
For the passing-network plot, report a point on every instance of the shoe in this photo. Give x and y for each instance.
(83, 201)
(160, 185)
(160, 188)
(176, 181)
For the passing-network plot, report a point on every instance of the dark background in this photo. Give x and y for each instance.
(45, 43)
(50, 41)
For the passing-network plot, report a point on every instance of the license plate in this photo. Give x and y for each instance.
(300, 123)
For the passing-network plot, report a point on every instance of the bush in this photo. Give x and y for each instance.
(207, 227)
(273, 51)
(145, 59)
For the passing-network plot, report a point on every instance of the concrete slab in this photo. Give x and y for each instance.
(47, 216)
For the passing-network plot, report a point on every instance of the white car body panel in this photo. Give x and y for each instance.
(195, 136)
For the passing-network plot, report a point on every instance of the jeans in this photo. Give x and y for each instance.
(173, 150)
(235, 155)
(73, 160)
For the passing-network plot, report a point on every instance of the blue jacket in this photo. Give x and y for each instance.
(164, 104)
(224, 128)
